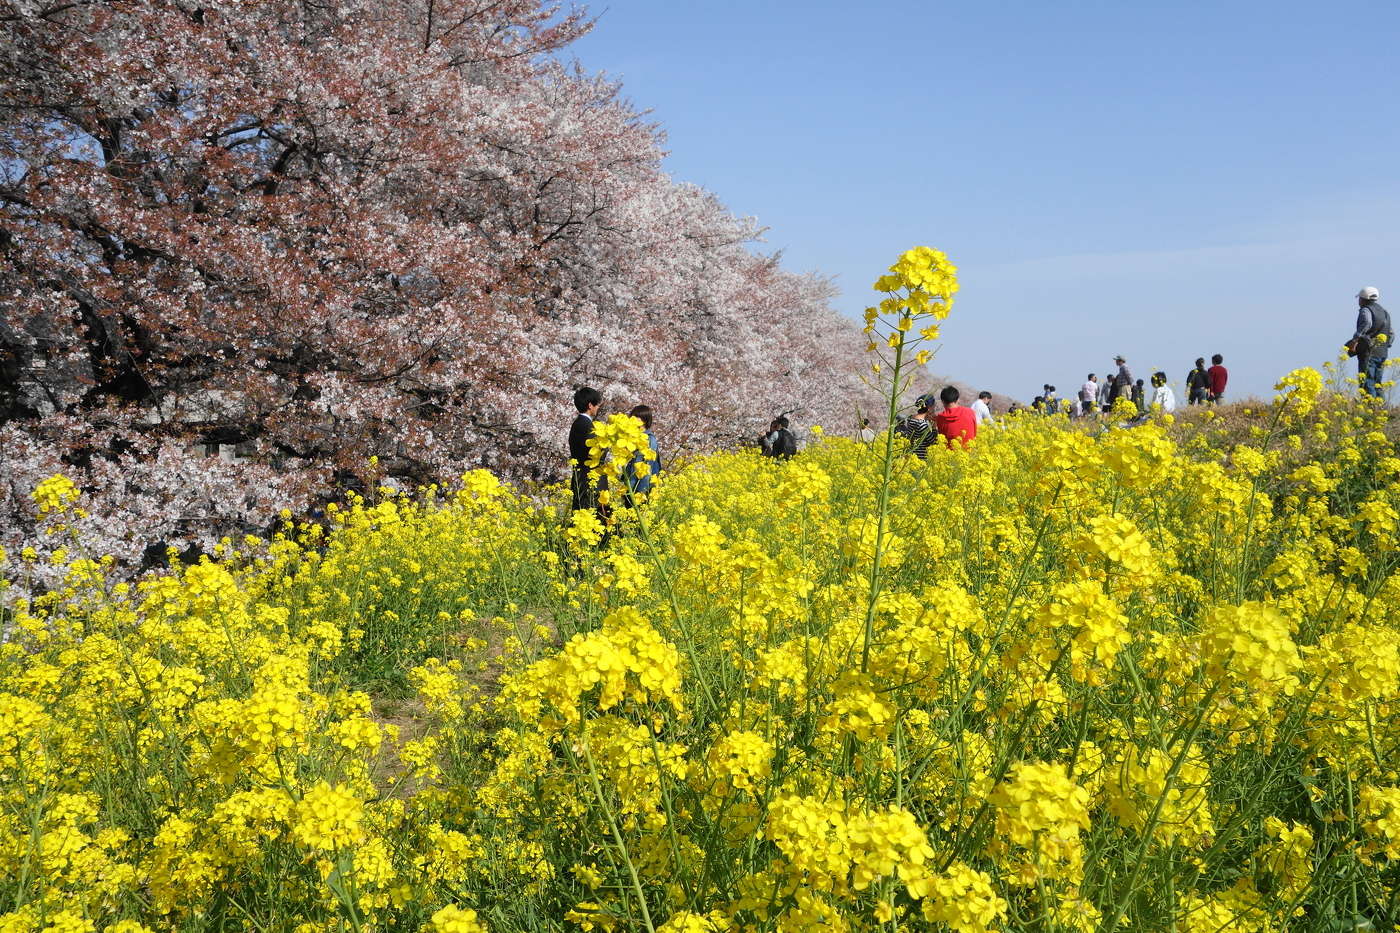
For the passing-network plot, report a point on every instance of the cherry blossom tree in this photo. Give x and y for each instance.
(324, 232)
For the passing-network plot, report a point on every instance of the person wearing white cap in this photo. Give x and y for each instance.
(1371, 342)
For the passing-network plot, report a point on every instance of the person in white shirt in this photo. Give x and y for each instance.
(1163, 398)
(867, 434)
(981, 409)
(1088, 395)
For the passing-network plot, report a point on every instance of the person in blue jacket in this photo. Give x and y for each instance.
(642, 483)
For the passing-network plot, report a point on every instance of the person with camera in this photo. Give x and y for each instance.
(1371, 342)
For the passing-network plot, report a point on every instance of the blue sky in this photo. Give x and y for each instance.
(1162, 180)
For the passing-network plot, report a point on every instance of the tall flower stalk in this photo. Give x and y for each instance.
(919, 290)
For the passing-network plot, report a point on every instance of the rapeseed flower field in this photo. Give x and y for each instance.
(1063, 680)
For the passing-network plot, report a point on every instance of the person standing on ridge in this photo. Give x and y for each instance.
(1163, 398)
(1198, 383)
(1219, 376)
(1371, 342)
(1088, 394)
(955, 422)
(1122, 381)
(1138, 395)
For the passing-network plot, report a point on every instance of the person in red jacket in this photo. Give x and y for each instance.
(1218, 375)
(955, 422)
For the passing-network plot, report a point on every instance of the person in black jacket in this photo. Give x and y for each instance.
(1198, 383)
(586, 400)
(779, 443)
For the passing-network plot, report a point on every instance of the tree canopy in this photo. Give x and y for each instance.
(400, 228)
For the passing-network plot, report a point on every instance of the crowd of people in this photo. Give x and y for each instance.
(1369, 344)
(1204, 385)
(956, 424)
